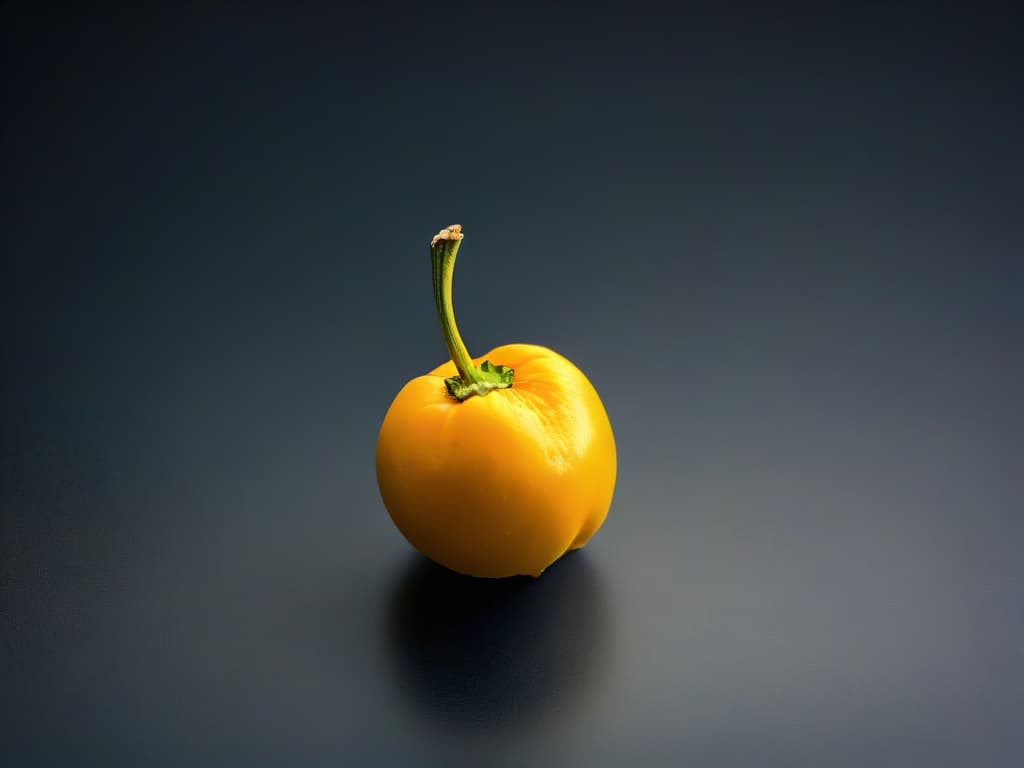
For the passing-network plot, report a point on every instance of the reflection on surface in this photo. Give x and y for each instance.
(481, 651)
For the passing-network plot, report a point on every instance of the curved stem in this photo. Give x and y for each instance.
(472, 380)
(443, 249)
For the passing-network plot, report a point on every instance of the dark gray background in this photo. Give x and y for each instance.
(785, 245)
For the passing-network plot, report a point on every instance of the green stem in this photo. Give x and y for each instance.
(472, 380)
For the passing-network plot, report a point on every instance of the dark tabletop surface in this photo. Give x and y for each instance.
(784, 244)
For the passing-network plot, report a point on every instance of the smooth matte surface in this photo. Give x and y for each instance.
(784, 245)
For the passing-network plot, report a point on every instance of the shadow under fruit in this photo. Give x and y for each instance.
(486, 652)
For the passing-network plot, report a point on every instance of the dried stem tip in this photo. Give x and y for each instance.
(454, 232)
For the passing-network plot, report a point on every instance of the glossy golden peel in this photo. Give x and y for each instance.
(503, 484)
(495, 466)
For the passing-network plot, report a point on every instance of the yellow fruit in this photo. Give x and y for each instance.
(496, 466)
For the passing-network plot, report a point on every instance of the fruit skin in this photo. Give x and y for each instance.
(504, 484)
